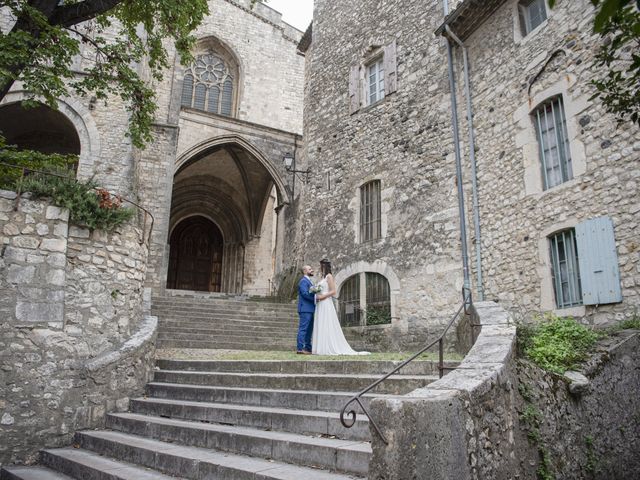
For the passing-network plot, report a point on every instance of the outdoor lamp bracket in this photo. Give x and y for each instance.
(290, 166)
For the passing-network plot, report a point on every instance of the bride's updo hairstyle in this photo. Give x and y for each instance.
(325, 267)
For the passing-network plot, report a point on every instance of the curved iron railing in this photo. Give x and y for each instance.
(351, 414)
(146, 238)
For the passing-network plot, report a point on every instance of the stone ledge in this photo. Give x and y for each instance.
(439, 415)
(144, 335)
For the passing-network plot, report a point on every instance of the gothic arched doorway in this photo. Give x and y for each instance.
(195, 261)
(233, 186)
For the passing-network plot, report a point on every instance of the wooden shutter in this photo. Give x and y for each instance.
(522, 16)
(390, 68)
(354, 90)
(598, 261)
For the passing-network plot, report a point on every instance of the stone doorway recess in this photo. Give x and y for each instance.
(195, 261)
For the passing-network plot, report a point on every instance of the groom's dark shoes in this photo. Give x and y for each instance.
(303, 352)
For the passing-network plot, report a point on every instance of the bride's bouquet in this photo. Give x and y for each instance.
(315, 289)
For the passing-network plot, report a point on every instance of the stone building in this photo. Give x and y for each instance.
(556, 194)
(76, 337)
(213, 177)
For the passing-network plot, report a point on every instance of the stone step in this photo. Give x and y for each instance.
(212, 345)
(261, 397)
(85, 465)
(240, 331)
(199, 463)
(397, 385)
(187, 327)
(221, 300)
(248, 337)
(31, 473)
(215, 319)
(417, 367)
(204, 316)
(228, 307)
(346, 456)
(212, 327)
(305, 422)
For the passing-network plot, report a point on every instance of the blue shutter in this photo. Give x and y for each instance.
(598, 261)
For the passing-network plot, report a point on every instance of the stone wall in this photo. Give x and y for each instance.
(510, 76)
(73, 338)
(405, 141)
(475, 422)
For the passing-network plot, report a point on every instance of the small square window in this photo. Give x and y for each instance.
(532, 14)
(375, 81)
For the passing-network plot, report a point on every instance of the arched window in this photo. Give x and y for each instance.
(368, 306)
(209, 85)
(553, 142)
(350, 302)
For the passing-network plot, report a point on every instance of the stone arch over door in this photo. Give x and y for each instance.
(230, 182)
(83, 122)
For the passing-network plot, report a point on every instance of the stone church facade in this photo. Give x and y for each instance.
(213, 177)
(556, 197)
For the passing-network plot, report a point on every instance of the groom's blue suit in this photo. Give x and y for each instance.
(306, 309)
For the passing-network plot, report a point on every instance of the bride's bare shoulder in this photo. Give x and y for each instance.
(329, 276)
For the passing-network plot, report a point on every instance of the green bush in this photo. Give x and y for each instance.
(30, 160)
(378, 315)
(88, 206)
(556, 344)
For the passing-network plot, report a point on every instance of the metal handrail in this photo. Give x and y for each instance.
(350, 422)
(146, 239)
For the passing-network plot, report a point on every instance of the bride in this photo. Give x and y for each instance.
(328, 338)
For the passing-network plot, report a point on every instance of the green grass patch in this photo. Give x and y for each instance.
(632, 323)
(197, 354)
(556, 344)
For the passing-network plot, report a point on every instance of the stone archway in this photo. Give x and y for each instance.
(71, 111)
(38, 128)
(232, 185)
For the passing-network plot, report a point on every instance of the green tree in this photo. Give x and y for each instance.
(47, 34)
(618, 23)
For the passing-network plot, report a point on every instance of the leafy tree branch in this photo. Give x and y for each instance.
(120, 35)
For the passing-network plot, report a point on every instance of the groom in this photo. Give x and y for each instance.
(306, 309)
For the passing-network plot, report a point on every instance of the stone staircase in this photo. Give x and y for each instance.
(218, 419)
(209, 321)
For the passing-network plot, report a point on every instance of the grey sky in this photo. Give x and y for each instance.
(295, 12)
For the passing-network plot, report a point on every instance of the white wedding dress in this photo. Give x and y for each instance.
(328, 338)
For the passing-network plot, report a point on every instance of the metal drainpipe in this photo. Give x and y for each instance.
(472, 160)
(456, 147)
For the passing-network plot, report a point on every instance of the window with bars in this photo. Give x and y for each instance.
(209, 85)
(375, 81)
(532, 14)
(378, 301)
(368, 306)
(553, 143)
(565, 270)
(370, 211)
(350, 302)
